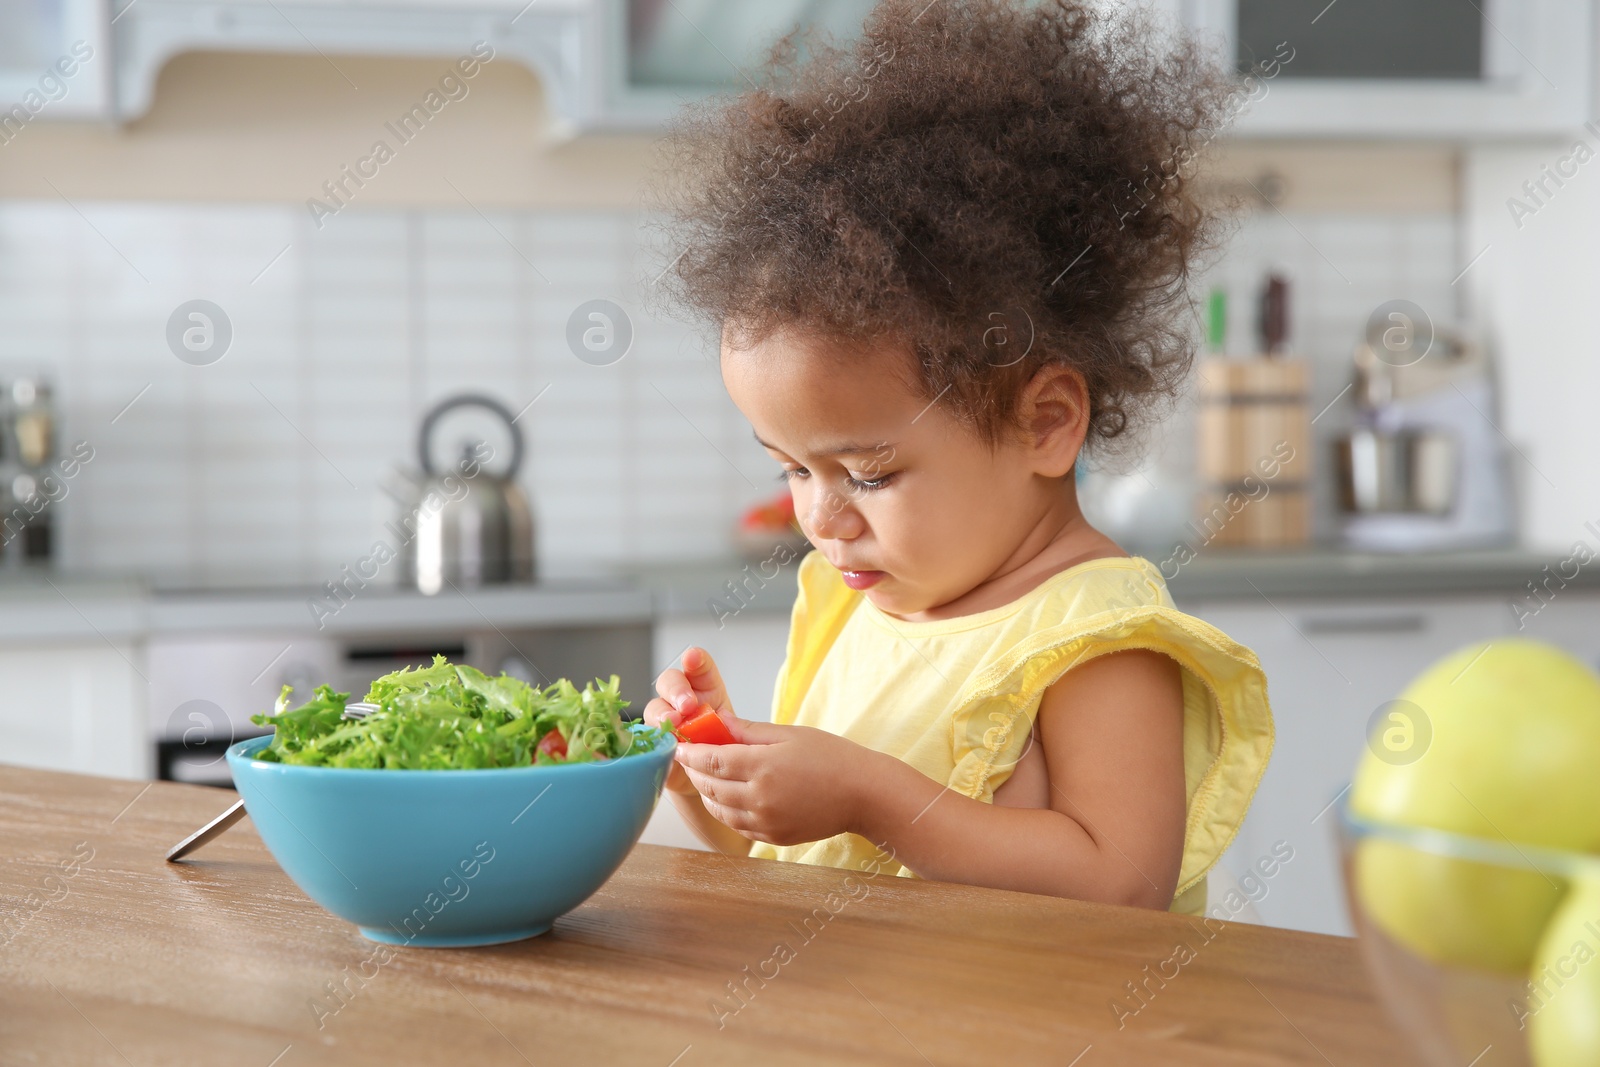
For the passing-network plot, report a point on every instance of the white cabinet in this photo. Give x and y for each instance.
(74, 706)
(1330, 665)
(1490, 69)
(633, 63)
(602, 64)
(54, 63)
(560, 40)
(1569, 619)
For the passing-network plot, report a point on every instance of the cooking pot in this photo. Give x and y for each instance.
(1410, 471)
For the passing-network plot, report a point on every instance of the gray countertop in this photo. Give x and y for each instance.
(1348, 575)
(51, 607)
(713, 587)
(44, 606)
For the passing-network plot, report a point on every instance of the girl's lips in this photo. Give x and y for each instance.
(862, 579)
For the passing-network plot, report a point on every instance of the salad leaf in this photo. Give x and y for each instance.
(454, 717)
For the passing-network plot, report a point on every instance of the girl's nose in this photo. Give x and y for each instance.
(833, 516)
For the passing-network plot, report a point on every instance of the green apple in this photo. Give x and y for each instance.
(1563, 1002)
(1454, 911)
(1514, 737)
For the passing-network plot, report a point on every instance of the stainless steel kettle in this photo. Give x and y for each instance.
(465, 526)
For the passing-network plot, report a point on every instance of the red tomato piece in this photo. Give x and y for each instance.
(553, 744)
(705, 727)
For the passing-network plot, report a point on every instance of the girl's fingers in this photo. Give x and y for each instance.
(755, 732)
(657, 712)
(716, 761)
(721, 791)
(729, 817)
(701, 671)
(678, 782)
(675, 689)
(741, 822)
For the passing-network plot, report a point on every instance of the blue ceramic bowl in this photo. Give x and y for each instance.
(449, 858)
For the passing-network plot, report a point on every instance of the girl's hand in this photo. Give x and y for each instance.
(785, 785)
(658, 713)
(697, 683)
(681, 694)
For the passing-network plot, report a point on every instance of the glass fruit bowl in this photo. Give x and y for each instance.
(1484, 952)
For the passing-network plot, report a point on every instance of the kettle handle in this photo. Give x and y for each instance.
(480, 400)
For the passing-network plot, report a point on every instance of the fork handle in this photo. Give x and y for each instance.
(212, 829)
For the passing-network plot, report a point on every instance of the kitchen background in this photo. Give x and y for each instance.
(263, 465)
(178, 162)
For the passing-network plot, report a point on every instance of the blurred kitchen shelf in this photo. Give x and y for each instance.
(37, 606)
(1215, 574)
(1235, 574)
(717, 586)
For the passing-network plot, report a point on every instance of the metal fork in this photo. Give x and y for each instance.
(358, 710)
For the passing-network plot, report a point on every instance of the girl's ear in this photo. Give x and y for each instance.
(1054, 414)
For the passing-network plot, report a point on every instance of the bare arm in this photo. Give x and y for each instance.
(1112, 734)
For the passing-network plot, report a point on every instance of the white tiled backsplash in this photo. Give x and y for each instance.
(267, 463)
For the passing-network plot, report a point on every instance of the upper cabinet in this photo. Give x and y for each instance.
(54, 62)
(558, 39)
(660, 54)
(1428, 69)
(604, 64)
(1431, 69)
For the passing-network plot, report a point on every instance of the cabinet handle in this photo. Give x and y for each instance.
(1364, 624)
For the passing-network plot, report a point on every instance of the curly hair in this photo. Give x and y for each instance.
(990, 186)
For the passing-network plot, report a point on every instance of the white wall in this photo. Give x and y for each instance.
(245, 127)
(1537, 288)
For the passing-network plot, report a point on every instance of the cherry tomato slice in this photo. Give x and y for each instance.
(705, 727)
(553, 744)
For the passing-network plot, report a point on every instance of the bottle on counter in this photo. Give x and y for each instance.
(27, 448)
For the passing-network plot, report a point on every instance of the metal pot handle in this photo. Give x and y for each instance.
(481, 400)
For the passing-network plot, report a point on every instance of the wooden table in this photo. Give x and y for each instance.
(121, 958)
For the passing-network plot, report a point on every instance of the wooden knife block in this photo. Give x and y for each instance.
(1254, 452)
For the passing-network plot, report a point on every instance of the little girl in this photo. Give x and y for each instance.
(945, 260)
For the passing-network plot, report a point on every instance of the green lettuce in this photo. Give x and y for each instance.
(450, 716)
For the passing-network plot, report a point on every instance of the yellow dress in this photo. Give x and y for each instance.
(956, 698)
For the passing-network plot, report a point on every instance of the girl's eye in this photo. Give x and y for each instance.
(790, 473)
(868, 484)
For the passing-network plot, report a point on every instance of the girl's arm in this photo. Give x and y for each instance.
(1112, 733)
